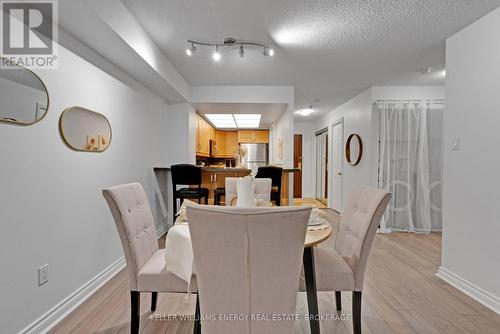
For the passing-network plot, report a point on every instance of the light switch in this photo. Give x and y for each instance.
(455, 144)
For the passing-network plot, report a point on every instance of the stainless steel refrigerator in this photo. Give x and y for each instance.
(257, 155)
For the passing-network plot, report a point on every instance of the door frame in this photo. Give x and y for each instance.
(316, 134)
(330, 167)
(298, 184)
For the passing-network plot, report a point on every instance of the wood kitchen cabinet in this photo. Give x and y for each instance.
(204, 133)
(213, 178)
(226, 144)
(253, 136)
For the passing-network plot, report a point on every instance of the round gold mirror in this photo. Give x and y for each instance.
(85, 130)
(354, 149)
(24, 97)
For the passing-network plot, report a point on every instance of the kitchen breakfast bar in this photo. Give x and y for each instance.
(214, 177)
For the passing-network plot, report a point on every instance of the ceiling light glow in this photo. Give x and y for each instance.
(305, 112)
(294, 36)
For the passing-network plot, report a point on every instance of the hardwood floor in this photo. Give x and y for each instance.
(308, 202)
(402, 295)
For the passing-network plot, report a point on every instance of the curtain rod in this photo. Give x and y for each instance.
(443, 101)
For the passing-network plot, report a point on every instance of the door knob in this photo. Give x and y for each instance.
(339, 173)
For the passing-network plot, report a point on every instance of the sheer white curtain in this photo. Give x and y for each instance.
(410, 165)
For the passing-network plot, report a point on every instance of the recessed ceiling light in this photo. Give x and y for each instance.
(222, 120)
(227, 121)
(305, 112)
(247, 120)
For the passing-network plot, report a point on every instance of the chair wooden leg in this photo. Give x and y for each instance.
(338, 300)
(174, 208)
(154, 299)
(356, 312)
(135, 311)
(197, 323)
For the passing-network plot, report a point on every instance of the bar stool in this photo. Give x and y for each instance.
(275, 174)
(187, 175)
(218, 193)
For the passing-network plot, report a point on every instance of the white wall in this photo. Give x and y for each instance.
(180, 124)
(357, 115)
(281, 132)
(51, 207)
(307, 130)
(471, 224)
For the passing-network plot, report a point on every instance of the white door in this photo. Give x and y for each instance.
(337, 160)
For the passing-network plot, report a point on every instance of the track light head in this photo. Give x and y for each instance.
(191, 50)
(242, 51)
(216, 55)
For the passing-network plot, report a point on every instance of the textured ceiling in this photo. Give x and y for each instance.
(328, 50)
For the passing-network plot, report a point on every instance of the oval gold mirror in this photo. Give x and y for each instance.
(85, 130)
(354, 149)
(24, 97)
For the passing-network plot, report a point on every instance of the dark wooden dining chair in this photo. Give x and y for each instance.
(275, 174)
(187, 175)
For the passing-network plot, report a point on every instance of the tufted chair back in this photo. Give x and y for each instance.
(130, 208)
(362, 213)
(247, 262)
(262, 189)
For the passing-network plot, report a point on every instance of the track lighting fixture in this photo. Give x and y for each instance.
(228, 42)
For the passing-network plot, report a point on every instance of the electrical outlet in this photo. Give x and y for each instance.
(43, 274)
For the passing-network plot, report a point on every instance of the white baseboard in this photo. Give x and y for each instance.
(56, 314)
(484, 297)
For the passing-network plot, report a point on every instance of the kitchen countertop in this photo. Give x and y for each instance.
(223, 169)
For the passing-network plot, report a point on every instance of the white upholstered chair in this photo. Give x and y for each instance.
(247, 262)
(145, 261)
(343, 267)
(262, 189)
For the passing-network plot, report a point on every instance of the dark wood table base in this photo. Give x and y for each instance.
(312, 295)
